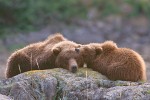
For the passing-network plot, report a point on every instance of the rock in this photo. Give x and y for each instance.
(145, 52)
(147, 71)
(93, 13)
(3, 97)
(36, 86)
(56, 84)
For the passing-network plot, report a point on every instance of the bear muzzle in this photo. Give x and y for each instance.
(73, 66)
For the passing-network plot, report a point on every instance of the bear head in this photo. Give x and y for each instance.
(93, 50)
(90, 51)
(68, 56)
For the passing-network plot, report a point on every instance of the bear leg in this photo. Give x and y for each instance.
(17, 63)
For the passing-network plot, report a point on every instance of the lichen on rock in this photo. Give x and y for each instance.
(58, 83)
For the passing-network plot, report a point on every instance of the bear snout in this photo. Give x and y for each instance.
(73, 66)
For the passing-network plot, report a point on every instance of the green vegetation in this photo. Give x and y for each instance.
(27, 15)
(148, 91)
(15, 46)
(139, 7)
(31, 14)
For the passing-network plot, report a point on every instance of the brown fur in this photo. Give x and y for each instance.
(34, 56)
(116, 63)
(90, 52)
(67, 56)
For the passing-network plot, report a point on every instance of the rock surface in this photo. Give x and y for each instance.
(60, 84)
(3, 97)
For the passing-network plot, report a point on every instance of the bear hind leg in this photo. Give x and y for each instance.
(17, 63)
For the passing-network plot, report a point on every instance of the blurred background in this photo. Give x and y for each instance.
(127, 22)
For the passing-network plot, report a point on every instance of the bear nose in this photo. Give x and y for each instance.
(77, 50)
(74, 68)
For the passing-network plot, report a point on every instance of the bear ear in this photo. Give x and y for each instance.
(56, 50)
(109, 45)
(98, 50)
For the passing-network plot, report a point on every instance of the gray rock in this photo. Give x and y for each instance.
(29, 87)
(60, 84)
(3, 97)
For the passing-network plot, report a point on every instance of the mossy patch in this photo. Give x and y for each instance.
(86, 72)
(148, 91)
(59, 72)
(32, 72)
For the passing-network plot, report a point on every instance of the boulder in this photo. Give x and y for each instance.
(3, 97)
(60, 84)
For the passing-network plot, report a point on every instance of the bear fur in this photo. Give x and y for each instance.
(113, 62)
(34, 56)
(54, 52)
(68, 55)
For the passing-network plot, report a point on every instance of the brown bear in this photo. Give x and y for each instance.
(113, 62)
(42, 55)
(33, 56)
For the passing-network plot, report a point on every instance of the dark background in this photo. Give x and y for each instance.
(27, 21)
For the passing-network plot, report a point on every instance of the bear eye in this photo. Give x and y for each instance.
(77, 50)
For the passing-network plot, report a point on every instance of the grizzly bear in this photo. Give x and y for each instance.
(42, 55)
(113, 62)
(33, 56)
